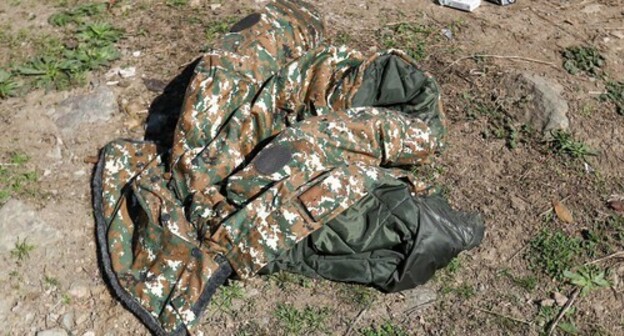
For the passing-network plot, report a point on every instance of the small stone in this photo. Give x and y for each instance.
(592, 9)
(420, 297)
(80, 173)
(99, 105)
(447, 33)
(540, 103)
(89, 333)
(215, 6)
(127, 72)
(560, 299)
(82, 318)
(547, 303)
(68, 321)
(136, 53)
(113, 72)
(52, 332)
(20, 221)
(79, 290)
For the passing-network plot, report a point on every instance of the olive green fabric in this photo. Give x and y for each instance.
(393, 82)
(390, 240)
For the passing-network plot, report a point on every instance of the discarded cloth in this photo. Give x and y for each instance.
(289, 154)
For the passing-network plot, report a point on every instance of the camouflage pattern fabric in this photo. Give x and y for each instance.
(269, 148)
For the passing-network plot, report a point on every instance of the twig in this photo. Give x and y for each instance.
(8, 164)
(611, 256)
(518, 252)
(543, 17)
(518, 58)
(563, 311)
(501, 315)
(417, 307)
(356, 320)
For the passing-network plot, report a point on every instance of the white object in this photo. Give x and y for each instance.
(466, 5)
(127, 72)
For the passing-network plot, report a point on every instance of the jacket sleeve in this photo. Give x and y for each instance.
(367, 136)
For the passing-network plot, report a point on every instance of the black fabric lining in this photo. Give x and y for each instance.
(105, 261)
(218, 278)
(247, 22)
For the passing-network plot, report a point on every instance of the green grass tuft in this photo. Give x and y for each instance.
(411, 37)
(226, 295)
(386, 329)
(8, 86)
(588, 278)
(294, 321)
(615, 94)
(553, 252)
(176, 3)
(583, 59)
(15, 179)
(214, 29)
(563, 143)
(22, 250)
(77, 14)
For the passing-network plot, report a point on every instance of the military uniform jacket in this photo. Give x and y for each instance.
(289, 154)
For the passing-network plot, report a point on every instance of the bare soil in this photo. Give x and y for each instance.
(513, 188)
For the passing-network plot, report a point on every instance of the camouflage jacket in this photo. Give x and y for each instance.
(279, 134)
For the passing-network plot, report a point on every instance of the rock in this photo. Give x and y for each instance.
(52, 332)
(136, 53)
(127, 72)
(560, 299)
(592, 9)
(100, 105)
(112, 73)
(82, 318)
(540, 101)
(89, 333)
(547, 303)
(19, 221)
(419, 297)
(68, 321)
(79, 290)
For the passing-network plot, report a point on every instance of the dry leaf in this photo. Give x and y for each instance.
(560, 299)
(562, 212)
(617, 205)
(132, 123)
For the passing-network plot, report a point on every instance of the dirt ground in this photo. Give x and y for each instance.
(512, 178)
